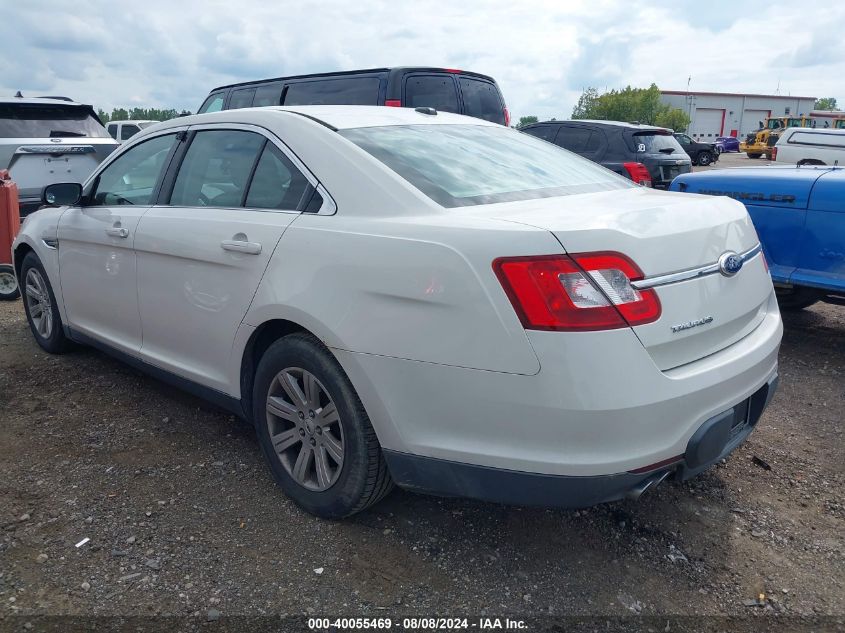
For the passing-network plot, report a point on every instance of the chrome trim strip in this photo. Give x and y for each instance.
(691, 273)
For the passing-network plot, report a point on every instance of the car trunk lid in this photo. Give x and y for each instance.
(665, 234)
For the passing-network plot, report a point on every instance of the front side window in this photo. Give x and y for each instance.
(131, 178)
(431, 91)
(461, 165)
(216, 169)
(277, 183)
(241, 98)
(482, 100)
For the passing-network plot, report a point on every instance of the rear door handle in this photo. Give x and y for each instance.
(238, 246)
(117, 232)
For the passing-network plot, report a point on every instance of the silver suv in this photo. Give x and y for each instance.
(49, 139)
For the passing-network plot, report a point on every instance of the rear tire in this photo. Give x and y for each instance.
(809, 161)
(753, 155)
(41, 308)
(705, 158)
(314, 431)
(9, 290)
(793, 299)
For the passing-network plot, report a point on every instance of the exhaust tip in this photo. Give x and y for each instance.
(637, 491)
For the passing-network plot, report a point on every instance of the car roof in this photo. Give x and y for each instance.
(620, 124)
(344, 73)
(42, 101)
(337, 117)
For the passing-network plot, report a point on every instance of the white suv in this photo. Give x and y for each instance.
(397, 295)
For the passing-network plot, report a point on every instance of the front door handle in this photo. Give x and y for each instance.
(239, 246)
(117, 232)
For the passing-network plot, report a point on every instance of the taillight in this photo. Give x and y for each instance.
(585, 291)
(638, 173)
(507, 117)
(393, 103)
(774, 153)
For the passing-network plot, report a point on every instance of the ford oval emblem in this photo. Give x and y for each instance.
(730, 264)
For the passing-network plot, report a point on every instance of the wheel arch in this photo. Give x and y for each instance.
(22, 250)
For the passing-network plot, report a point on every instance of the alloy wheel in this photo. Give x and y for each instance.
(305, 429)
(38, 303)
(8, 283)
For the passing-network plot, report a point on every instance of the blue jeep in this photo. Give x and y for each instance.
(799, 213)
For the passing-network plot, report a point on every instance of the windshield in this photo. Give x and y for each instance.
(461, 165)
(653, 143)
(28, 120)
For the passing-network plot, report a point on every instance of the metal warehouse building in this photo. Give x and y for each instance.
(729, 114)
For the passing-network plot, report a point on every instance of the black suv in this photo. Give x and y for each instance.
(647, 155)
(443, 89)
(700, 153)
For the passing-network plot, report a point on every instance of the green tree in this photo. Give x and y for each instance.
(630, 104)
(137, 114)
(826, 103)
(526, 120)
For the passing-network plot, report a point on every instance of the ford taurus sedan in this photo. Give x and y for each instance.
(414, 297)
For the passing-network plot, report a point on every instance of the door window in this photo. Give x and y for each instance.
(431, 91)
(128, 130)
(214, 103)
(216, 169)
(277, 183)
(131, 178)
(482, 100)
(268, 95)
(575, 139)
(347, 91)
(241, 98)
(545, 132)
(112, 128)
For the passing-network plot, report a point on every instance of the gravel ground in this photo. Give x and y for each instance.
(184, 520)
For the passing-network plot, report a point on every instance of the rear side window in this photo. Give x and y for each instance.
(431, 91)
(131, 178)
(112, 128)
(241, 98)
(482, 100)
(829, 139)
(345, 91)
(545, 132)
(216, 169)
(269, 95)
(28, 120)
(575, 139)
(277, 183)
(214, 103)
(127, 131)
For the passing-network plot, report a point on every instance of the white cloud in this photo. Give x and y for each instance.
(168, 54)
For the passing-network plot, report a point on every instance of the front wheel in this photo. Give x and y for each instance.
(314, 431)
(40, 306)
(8, 283)
(705, 158)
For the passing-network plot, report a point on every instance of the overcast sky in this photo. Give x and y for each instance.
(169, 53)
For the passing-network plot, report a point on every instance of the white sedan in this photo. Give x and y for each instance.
(410, 296)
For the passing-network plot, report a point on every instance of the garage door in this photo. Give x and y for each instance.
(751, 120)
(707, 124)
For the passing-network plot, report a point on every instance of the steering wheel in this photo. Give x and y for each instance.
(204, 199)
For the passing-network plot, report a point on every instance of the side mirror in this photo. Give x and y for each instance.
(62, 194)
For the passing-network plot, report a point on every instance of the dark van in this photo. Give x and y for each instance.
(443, 89)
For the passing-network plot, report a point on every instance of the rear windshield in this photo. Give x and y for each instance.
(26, 120)
(462, 165)
(482, 100)
(652, 143)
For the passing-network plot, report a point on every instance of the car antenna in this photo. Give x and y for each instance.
(18, 95)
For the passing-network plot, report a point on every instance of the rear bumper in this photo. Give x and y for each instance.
(714, 440)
